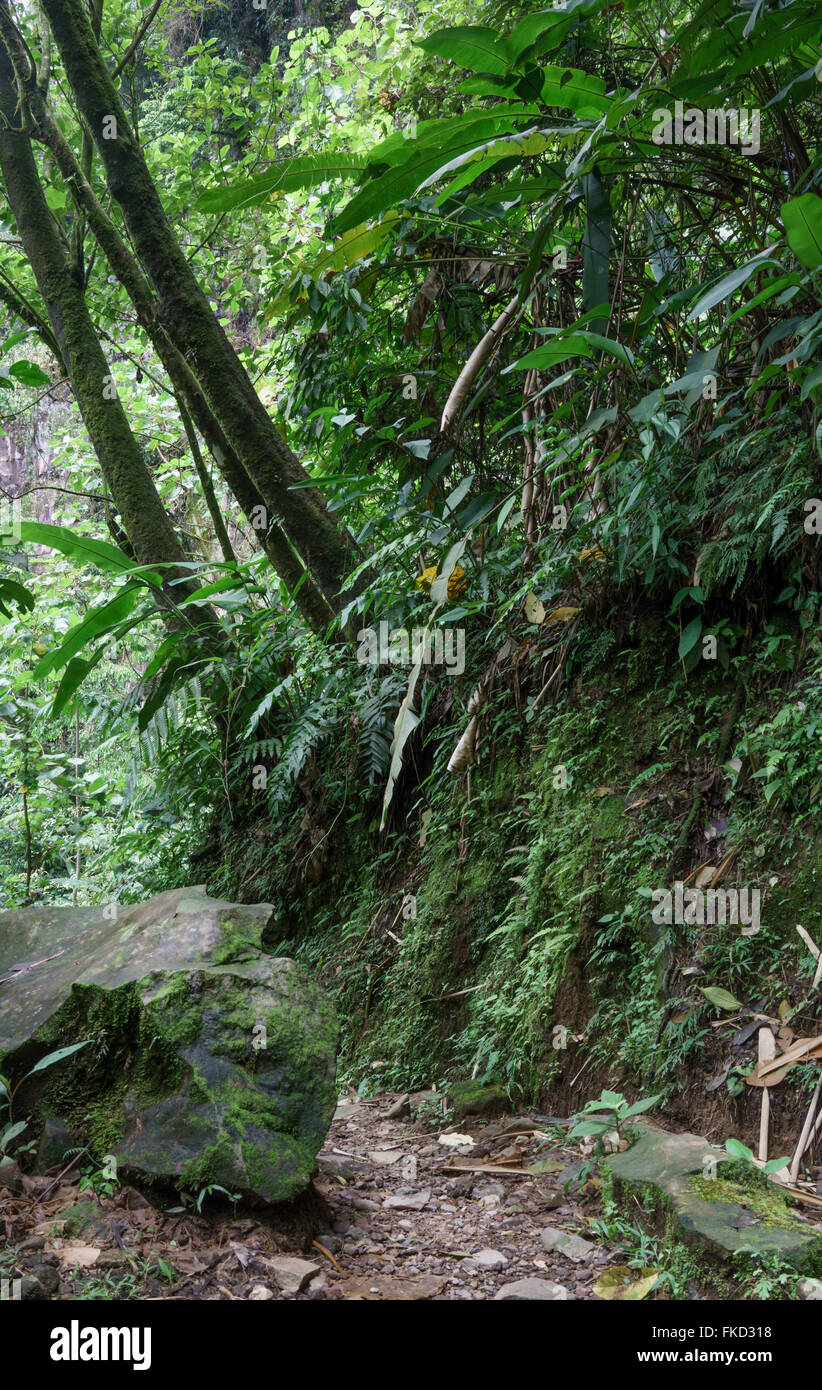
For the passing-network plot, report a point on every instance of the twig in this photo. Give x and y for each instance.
(328, 1256)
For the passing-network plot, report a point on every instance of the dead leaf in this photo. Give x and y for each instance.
(621, 1283)
(561, 615)
(456, 1141)
(78, 1254)
(534, 609)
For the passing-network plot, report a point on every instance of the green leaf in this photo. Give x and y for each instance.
(471, 46)
(578, 91)
(81, 548)
(738, 1150)
(28, 373)
(774, 1164)
(58, 1056)
(531, 28)
(11, 1132)
(729, 283)
(559, 349)
(11, 591)
(401, 181)
(305, 171)
(721, 998)
(803, 224)
(640, 1106)
(812, 380)
(690, 636)
(95, 623)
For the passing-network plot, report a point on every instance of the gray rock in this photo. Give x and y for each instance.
(544, 1290)
(809, 1288)
(677, 1169)
(219, 1059)
(408, 1201)
(292, 1275)
(566, 1243)
(490, 1259)
(10, 1176)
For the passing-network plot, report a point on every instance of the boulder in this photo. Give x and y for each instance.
(724, 1206)
(207, 1062)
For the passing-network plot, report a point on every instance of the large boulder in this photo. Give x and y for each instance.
(208, 1062)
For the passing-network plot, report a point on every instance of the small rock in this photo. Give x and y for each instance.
(365, 1204)
(46, 1278)
(408, 1201)
(10, 1176)
(553, 1200)
(566, 1243)
(292, 1274)
(331, 1242)
(33, 1243)
(260, 1294)
(809, 1288)
(470, 1098)
(383, 1158)
(542, 1289)
(490, 1259)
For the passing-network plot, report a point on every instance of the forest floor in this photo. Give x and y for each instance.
(407, 1212)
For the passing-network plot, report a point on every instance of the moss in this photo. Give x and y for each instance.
(772, 1207)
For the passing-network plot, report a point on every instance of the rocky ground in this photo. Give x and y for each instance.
(405, 1205)
(408, 1208)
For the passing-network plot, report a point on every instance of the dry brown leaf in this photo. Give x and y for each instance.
(77, 1254)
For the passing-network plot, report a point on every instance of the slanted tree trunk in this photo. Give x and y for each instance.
(132, 489)
(313, 606)
(185, 313)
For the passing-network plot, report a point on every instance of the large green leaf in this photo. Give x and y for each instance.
(12, 592)
(802, 217)
(98, 621)
(83, 549)
(559, 349)
(304, 171)
(596, 244)
(730, 282)
(401, 181)
(578, 91)
(471, 46)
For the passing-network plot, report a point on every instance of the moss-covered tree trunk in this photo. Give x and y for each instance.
(185, 313)
(146, 523)
(288, 565)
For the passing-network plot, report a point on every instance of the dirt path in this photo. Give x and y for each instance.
(411, 1216)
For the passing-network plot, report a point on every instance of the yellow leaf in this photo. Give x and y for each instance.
(593, 553)
(561, 615)
(457, 582)
(40, 648)
(427, 578)
(620, 1282)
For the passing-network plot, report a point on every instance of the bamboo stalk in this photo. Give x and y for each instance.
(804, 1137)
(767, 1049)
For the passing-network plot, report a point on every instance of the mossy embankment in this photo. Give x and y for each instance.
(506, 931)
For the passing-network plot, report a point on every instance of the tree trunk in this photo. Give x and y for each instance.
(313, 606)
(186, 315)
(144, 517)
